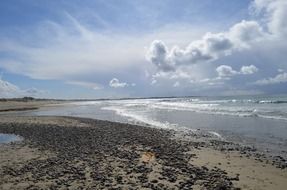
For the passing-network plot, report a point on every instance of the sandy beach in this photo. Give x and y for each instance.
(77, 153)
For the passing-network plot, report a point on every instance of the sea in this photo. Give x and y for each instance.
(259, 121)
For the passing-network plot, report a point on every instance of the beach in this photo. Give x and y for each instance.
(78, 153)
(143, 95)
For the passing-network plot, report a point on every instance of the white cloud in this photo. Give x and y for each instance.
(157, 54)
(248, 70)
(115, 83)
(244, 33)
(225, 71)
(245, 36)
(280, 78)
(183, 76)
(211, 47)
(276, 13)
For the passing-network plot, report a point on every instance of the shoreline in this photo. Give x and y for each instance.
(76, 152)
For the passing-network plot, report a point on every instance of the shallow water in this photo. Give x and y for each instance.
(7, 138)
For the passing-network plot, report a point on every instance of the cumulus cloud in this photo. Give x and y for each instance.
(248, 70)
(280, 78)
(182, 77)
(246, 32)
(115, 83)
(157, 54)
(275, 12)
(225, 71)
(211, 47)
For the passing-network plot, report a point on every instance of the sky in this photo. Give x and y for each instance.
(142, 48)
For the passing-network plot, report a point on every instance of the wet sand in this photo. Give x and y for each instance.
(76, 153)
(251, 174)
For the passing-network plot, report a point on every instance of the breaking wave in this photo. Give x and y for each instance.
(264, 108)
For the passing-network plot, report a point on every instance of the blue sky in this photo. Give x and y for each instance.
(136, 48)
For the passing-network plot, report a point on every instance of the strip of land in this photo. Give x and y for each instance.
(10, 105)
(76, 153)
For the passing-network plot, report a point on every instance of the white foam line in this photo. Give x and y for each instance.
(146, 120)
(204, 109)
(216, 134)
(85, 103)
(139, 118)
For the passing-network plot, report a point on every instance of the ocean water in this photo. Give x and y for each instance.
(254, 120)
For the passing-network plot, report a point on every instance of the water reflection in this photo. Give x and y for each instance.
(7, 138)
